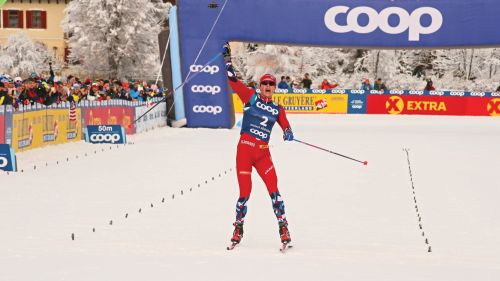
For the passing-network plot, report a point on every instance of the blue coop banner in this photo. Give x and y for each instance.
(203, 28)
(114, 134)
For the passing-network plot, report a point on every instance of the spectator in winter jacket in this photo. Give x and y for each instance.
(289, 82)
(306, 81)
(22, 94)
(429, 86)
(365, 85)
(134, 91)
(325, 85)
(282, 84)
(3, 94)
(379, 85)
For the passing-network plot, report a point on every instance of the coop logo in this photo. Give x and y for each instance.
(477, 94)
(109, 138)
(261, 134)
(267, 108)
(207, 109)
(3, 162)
(205, 89)
(407, 21)
(494, 107)
(212, 69)
(357, 104)
(395, 105)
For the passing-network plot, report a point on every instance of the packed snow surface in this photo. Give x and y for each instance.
(347, 221)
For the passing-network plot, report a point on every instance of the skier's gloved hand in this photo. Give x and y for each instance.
(288, 135)
(231, 74)
(226, 53)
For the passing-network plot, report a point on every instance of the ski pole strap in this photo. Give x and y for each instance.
(332, 152)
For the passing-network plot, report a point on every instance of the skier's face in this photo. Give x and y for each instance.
(267, 88)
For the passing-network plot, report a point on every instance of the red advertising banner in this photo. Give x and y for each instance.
(432, 105)
(2, 128)
(119, 115)
(483, 106)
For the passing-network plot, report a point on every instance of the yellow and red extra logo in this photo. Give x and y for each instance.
(494, 107)
(396, 105)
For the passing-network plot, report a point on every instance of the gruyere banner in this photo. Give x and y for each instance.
(305, 103)
(43, 127)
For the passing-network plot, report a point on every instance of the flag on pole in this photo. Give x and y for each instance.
(72, 111)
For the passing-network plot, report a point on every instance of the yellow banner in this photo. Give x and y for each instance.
(305, 103)
(44, 127)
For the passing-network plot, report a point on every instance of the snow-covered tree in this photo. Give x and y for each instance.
(22, 56)
(115, 38)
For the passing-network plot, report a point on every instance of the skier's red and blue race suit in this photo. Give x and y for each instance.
(260, 115)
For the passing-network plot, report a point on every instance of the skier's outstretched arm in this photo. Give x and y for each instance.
(244, 92)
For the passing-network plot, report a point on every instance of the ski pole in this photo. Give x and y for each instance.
(172, 91)
(329, 151)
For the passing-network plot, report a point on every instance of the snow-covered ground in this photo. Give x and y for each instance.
(347, 221)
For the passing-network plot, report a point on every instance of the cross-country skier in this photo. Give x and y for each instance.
(260, 114)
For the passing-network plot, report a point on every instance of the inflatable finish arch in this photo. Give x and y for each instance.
(341, 23)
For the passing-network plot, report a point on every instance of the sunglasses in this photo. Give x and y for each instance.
(268, 83)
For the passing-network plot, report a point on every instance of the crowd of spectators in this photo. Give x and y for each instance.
(286, 83)
(306, 83)
(48, 90)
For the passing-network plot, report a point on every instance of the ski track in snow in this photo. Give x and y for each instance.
(347, 221)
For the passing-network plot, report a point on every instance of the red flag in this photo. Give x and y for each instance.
(72, 112)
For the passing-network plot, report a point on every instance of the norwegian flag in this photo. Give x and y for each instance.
(72, 112)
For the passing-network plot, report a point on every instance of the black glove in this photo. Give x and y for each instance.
(226, 53)
(231, 74)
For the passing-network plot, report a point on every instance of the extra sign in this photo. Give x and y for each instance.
(113, 134)
(7, 158)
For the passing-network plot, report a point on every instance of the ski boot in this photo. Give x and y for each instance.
(284, 233)
(237, 233)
